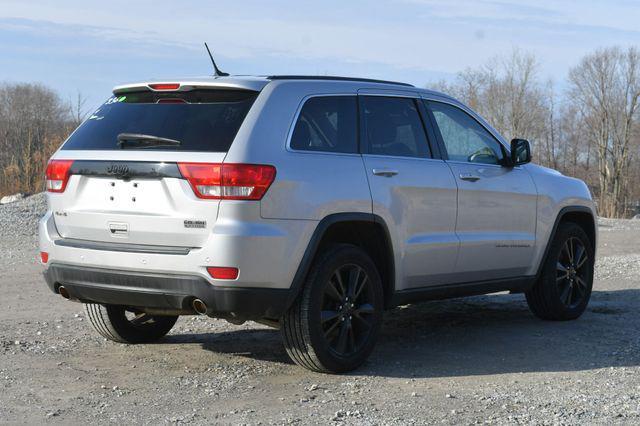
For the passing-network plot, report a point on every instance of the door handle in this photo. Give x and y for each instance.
(385, 172)
(470, 177)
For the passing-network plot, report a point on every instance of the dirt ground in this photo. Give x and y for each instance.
(466, 361)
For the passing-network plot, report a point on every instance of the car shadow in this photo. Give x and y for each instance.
(480, 335)
(262, 344)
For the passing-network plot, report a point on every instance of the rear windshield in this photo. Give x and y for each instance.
(200, 120)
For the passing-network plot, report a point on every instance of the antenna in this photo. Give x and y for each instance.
(216, 70)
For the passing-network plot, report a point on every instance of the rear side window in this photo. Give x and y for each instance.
(393, 127)
(327, 123)
(200, 120)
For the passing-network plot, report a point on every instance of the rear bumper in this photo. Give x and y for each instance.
(240, 238)
(165, 291)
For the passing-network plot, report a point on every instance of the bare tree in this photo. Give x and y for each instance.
(605, 86)
(78, 109)
(554, 152)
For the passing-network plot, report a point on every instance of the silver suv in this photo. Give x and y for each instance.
(311, 204)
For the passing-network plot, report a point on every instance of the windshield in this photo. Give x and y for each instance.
(201, 120)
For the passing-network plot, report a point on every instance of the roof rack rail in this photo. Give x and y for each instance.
(327, 77)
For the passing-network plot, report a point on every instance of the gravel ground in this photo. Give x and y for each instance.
(467, 361)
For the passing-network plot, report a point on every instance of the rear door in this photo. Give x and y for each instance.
(130, 189)
(496, 220)
(413, 191)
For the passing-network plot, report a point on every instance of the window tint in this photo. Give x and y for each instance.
(202, 120)
(393, 127)
(464, 138)
(327, 123)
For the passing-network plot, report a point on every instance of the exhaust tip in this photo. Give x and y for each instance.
(199, 306)
(63, 292)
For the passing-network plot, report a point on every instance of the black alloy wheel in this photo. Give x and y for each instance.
(334, 324)
(563, 288)
(572, 272)
(347, 310)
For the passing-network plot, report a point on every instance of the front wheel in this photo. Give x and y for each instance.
(124, 325)
(563, 290)
(334, 324)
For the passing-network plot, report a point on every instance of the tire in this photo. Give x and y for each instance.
(563, 290)
(325, 330)
(112, 322)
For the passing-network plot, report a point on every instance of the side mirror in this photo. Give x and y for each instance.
(520, 152)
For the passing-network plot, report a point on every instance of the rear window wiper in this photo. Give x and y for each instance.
(138, 140)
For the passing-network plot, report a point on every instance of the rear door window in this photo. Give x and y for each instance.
(201, 120)
(393, 127)
(327, 123)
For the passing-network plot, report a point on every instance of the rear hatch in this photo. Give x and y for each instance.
(120, 177)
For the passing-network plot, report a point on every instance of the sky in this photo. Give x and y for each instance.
(88, 47)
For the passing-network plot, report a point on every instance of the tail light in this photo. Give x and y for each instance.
(58, 172)
(44, 257)
(228, 181)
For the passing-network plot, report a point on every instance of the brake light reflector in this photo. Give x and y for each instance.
(58, 172)
(165, 86)
(223, 273)
(228, 181)
(44, 256)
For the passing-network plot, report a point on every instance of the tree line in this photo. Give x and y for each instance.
(34, 121)
(590, 129)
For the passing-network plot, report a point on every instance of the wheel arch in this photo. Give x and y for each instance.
(582, 216)
(366, 230)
